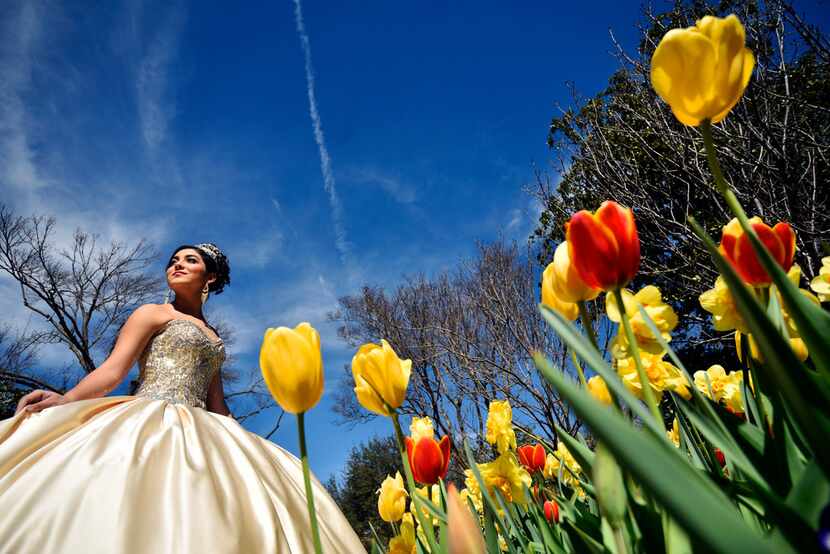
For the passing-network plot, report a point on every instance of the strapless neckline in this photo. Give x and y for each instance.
(217, 342)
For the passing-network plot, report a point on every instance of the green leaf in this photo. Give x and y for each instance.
(702, 509)
(809, 495)
(581, 453)
(585, 350)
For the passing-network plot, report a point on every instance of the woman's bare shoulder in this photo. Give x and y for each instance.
(151, 315)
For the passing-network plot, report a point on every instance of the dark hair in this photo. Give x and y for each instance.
(215, 261)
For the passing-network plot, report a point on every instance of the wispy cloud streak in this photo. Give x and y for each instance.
(20, 34)
(152, 80)
(325, 159)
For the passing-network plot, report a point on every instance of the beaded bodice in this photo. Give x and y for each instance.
(179, 363)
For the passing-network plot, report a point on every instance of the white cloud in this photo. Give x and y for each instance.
(155, 107)
(21, 32)
(393, 185)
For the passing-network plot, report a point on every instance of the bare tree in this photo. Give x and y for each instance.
(84, 292)
(470, 335)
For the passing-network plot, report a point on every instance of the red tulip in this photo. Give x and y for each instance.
(551, 511)
(736, 248)
(532, 457)
(428, 459)
(720, 457)
(604, 246)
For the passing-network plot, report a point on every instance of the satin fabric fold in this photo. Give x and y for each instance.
(128, 474)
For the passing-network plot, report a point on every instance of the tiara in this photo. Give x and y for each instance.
(211, 250)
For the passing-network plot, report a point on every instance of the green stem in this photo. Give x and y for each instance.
(620, 541)
(634, 352)
(414, 495)
(579, 369)
(720, 181)
(585, 318)
(309, 493)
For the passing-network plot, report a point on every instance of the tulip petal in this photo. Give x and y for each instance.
(620, 221)
(746, 261)
(427, 461)
(592, 250)
(787, 236)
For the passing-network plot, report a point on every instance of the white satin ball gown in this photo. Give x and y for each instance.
(156, 472)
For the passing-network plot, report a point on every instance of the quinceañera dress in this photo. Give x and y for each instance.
(156, 472)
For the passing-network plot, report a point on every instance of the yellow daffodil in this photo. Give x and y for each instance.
(563, 466)
(500, 426)
(719, 302)
(433, 493)
(392, 499)
(702, 71)
(821, 282)
(599, 389)
(292, 366)
(504, 473)
(568, 310)
(661, 375)
(674, 434)
(663, 316)
(567, 284)
(421, 427)
(797, 344)
(380, 377)
(722, 387)
(405, 541)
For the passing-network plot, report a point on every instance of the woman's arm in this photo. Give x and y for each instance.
(216, 397)
(132, 339)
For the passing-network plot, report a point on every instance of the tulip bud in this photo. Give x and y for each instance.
(604, 246)
(568, 310)
(735, 246)
(463, 531)
(392, 499)
(599, 389)
(609, 486)
(551, 511)
(532, 457)
(380, 377)
(720, 457)
(292, 366)
(702, 71)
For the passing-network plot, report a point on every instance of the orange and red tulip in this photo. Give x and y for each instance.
(532, 457)
(604, 246)
(737, 249)
(428, 458)
(551, 511)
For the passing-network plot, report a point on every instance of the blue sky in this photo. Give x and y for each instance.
(190, 121)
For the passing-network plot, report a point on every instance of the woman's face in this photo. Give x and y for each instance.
(186, 270)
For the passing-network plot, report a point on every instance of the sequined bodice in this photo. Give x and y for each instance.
(178, 364)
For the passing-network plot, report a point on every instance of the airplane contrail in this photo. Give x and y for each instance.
(325, 159)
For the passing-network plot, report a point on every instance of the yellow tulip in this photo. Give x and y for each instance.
(500, 426)
(569, 310)
(599, 389)
(674, 434)
(567, 284)
(821, 282)
(392, 499)
(380, 377)
(405, 542)
(292, 366)
(463, 531)
(702, 71)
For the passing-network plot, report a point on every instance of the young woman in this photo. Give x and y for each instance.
(164, 470)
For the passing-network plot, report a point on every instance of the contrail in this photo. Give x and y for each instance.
(325, 159)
